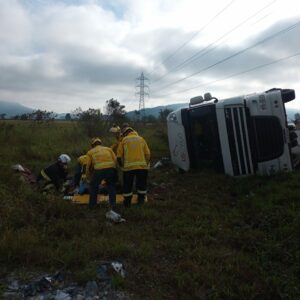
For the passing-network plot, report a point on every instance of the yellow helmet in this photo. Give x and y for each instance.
(95, 141)
(126, 130)
(114, 129)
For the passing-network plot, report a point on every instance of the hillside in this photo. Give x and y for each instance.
(202, 235)
(13, 108)
(154, 111)
(291, 113)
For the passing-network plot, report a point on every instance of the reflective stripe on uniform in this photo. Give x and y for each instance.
(127, 194)
(135, 163)
(49, 186)
(141, 192)
(103, 165)
(45, 176)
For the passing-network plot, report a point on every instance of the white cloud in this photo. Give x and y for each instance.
(59, 55)
(15, 27)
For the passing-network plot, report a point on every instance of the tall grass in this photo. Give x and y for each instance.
(208, 236)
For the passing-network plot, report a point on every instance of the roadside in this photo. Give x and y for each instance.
(201, 235)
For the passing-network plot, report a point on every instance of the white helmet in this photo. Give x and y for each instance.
(115, 129)
(64, 158)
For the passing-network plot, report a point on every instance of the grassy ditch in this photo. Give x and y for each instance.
(202, 235)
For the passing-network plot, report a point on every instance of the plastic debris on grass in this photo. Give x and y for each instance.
(106, 270)
(25, 174)
(114, 217)
(164, 161)
(55, 287)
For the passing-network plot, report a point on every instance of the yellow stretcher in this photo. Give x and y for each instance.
(84, 199)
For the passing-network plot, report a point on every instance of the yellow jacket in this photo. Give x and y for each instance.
(82, 160)
(134, 152)
(99, 158)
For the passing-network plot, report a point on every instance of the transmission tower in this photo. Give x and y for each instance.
(142, 86)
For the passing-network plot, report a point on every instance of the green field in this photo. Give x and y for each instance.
(201, 236)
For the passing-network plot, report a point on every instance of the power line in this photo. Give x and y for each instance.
(236, 74)
(259, 20)
(195, 56)
(235, 54)
(189, 40)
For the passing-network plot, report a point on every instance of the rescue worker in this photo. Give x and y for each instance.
(80, 182)
(134, 157)
(116, 131)
(124, 126)
(54, 175)
(101, 165)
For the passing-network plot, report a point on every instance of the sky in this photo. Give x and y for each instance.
(60, 55)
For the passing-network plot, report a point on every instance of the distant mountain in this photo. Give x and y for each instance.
(154, 111)
(12, 108)
(61, 116)
(290, 112)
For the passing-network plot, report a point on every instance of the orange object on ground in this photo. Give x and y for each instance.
(84, 199)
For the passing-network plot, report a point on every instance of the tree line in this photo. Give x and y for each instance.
(93, 120)
(114, 112)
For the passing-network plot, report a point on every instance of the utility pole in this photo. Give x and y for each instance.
(142, 86)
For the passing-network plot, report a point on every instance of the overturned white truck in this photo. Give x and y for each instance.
(238, 136)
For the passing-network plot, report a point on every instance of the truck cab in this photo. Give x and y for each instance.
(237, 136)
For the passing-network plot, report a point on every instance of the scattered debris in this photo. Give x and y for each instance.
(54, 287)
(106, 270)
(164, 161)
(14, 285)
(18, 168)
(91, 289)
(60, 295)
(37, 287)
(118, 267)
(25, 174)
(114, 217)
(158, 165)
(103, 272)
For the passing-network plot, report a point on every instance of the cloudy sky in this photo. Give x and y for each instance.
(59, 55)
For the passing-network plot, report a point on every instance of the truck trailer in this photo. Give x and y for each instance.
(238, 136)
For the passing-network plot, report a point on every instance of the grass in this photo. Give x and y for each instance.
(207, 236)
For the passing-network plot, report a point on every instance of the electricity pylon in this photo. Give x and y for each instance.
(142, 86)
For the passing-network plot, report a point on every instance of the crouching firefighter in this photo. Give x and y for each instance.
(101, 165)
(134, 157)
(55, 175)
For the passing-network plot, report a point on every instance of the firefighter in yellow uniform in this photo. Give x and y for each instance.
(134, 156)
(101, 165)
(116, 131)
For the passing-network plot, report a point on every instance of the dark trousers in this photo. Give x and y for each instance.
(109, 175)
(45, 186)
(141, 185)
